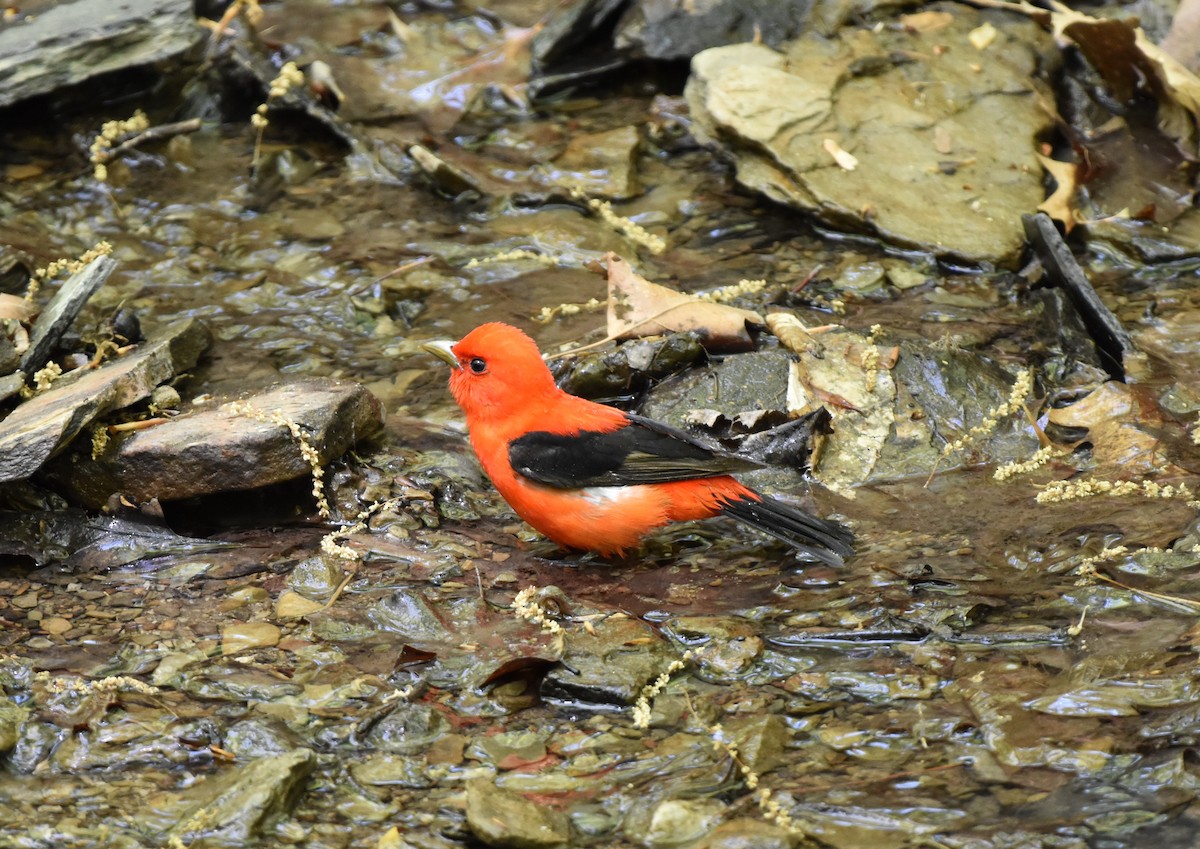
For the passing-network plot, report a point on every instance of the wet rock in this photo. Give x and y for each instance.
(35, 742)
(931, 396)
(674, 822)
(245, 802)
(232, 681)
(42, 426)
(11, 717)
(237, 637)
(447, 179)
(600, 164)
(316, 577)
(218, 450)
(63, 309)
(508, 820)
(408, 729)
(508, 750)
(722, 645)
(761, 740)
(11, 384)
(259, 737)
(747, 833)
(609, 670)
(580, 42)
(629, 367)
(407, 613)
(928, 171)
(66, 43)
(391, 770)
(10, 360)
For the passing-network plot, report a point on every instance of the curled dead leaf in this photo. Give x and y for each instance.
(1122, 425)
(1059, 205)
(637, 307)
(16, 307)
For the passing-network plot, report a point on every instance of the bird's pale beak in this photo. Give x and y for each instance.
(442, 350)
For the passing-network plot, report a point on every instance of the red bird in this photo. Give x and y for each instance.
(593, 477)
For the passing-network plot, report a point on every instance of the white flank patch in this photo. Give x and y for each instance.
(606, 494)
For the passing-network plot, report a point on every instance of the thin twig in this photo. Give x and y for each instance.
(162, 131)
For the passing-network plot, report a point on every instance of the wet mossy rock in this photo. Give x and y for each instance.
(943, 132)
(248, 800)
(219, 450)
(508, 820)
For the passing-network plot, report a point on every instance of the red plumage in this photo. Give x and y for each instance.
(593, 477)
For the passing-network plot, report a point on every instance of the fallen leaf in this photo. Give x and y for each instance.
(637, 307)
(1058, 206)
(14, 306)
(1129, 63)
(1121, 425)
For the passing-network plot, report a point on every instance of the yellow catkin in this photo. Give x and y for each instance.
(771, 807)
(307, 451)
(643, 708)
(1011, 470)
(1021, 388)
(512, 256)
(1073, 490)
(110, 131)
(631, 229)
(52, 270)
(526, 606)
(290, 76)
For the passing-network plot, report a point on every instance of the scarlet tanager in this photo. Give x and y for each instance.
(596, 478)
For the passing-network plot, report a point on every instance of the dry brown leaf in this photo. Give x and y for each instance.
(1058, 206)
(793, 334)
(637, 307)
(14, 306)
(1128, 61)
(1121, 426)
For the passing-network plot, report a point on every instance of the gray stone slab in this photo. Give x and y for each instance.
(76, 40)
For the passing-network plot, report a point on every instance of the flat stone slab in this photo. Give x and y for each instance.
(217, 449)
(921, 138)
(76, 40)
(43, 426)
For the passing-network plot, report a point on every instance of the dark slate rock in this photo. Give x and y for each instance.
(62, 310)
(72, 42)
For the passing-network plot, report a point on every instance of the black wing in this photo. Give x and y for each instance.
(645, 451)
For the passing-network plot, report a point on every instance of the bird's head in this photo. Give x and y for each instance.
(494, 367)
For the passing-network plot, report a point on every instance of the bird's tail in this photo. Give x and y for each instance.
(826, 541)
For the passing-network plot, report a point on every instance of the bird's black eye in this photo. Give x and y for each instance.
(478, 365)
